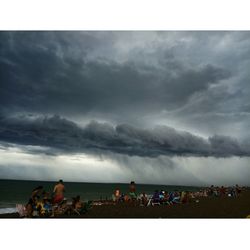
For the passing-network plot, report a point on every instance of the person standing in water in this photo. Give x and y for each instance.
(58, 191)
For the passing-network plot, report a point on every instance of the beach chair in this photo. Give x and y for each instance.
(153, 202)
(76, 211)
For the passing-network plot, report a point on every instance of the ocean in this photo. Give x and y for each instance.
(14, 192)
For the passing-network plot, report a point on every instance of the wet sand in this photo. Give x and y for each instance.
(211, 207)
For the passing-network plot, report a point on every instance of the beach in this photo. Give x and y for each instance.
(207, 207)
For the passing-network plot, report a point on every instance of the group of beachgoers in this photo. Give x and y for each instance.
(43, 204)
(162, 197)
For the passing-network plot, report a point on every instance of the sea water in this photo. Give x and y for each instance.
(14, 192)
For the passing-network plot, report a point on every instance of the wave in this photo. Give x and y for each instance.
(8, 210)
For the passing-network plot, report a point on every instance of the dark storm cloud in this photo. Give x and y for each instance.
(48, 72)
(196, 81)
(60, 133)
(190, 81)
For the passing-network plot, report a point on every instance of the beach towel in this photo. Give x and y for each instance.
(21, 210)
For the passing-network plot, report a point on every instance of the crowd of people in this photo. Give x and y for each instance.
(43, 204)
(161, 197)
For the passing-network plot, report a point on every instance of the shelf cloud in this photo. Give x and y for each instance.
(60, 133)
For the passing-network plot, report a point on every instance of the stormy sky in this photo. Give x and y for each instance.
(153, 107)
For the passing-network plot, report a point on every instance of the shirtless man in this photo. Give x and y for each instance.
(58, 191)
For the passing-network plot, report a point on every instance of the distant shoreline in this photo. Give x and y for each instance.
(116, 183)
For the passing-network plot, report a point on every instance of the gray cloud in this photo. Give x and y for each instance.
(41, 71)
(60, 133)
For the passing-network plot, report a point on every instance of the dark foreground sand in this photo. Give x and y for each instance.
(211, 207)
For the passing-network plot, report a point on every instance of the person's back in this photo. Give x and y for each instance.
(132, 192)
(183, 194)
(144, 199)
(161, 195)
(176, 197)
(78, 204)
(117, 194)
(132, 187)
(156, 196)
(59, 190)
(36, 192)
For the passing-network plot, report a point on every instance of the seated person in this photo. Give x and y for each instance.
(161, 195)
(156, 196)
(80, 207)
(183, 197)
(34, 199)
(186, 197)
(47, 206)
(126, 198)
(37, 192)
(117, 195)
(171, 197)
(45, 195)
(176, 197)
(144, 199)
(166, 197)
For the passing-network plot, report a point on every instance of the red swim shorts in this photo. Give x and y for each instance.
(58, 198)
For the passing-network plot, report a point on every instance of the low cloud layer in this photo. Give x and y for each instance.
(60, 133)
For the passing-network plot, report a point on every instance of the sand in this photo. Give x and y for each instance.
(211, 207)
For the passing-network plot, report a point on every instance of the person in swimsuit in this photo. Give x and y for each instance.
(58, 191)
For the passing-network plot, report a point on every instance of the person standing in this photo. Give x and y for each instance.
(132, 190)
(58, 192)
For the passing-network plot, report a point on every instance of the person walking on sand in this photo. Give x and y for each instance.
(58, 191)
